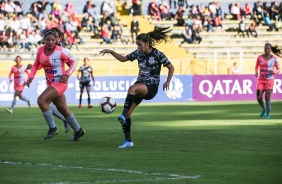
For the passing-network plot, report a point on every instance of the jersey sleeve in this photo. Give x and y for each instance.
(36, 65)
(10, 74)
(133, 55)
(257, 65)
(277, 66)
(68, 58)
(163, 59)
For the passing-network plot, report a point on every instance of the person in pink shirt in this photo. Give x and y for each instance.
(19, 82)
(265, 72)
(52, 59)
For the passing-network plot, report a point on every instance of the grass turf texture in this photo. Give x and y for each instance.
(174, 143)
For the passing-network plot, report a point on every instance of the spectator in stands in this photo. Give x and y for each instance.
(182, 3)
(71, 27)
(3, 39)
(201, 9)
(11, 42)
(105, 34)
(207, 11)
(247, 10)
(172, 5)
(18, 8)
(34, 9)
(217, 22)
(87, 6)
(256, 18)
(269, 22)
(87, 23)
(42, 5)
(252, 29)
(236, 69)
(190, 20)
(135, 9)
(31, 40)
(259, 10)
(274, 11)
(208, 24)
(72, 40)
(196, 35)
(65, 40)
(42, 24)
(105, 18)
(24, 40)
(108, 6)
(179, 16)
(154, 11)
(76, 21)
(57, 8)
(165, 11)
(114, 19)
(2, 8)
(194, 11)
(280, 12)
(242, 28)
(38, 37)
(134, 28)
(235, 11)
(218, 9)
(116, 34)
(25, 24)
(187, 35)
(212, 8)
(2, 23)
(198, 23)
(266, 8)
(69, 8)
(10, 8)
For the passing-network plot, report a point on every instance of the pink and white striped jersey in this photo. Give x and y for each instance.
(266, 65)
(54, 64)
(19, 77)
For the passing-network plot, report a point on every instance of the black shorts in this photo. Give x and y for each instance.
(152, 91)
(84, 84)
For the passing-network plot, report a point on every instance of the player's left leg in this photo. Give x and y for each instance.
(268, 102)
(61, 105)
(126, 128)
(88, 88)
(23, 98)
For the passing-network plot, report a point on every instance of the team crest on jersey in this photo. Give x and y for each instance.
(151, 60)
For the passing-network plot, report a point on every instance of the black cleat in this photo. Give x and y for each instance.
(78, 134)
(51, 133)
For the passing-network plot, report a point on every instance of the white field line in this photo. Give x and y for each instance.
(163, 176)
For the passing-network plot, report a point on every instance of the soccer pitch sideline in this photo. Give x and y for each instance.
(195, 142)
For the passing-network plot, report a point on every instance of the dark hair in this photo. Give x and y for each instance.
(275, 49)
(57, 31)
(18, 57)
(155, 37)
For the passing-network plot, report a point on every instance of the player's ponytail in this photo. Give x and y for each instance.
(155, 37)
(275, 49)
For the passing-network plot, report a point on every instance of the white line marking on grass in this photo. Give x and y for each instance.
(164, 176)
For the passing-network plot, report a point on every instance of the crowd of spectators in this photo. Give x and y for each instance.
(209, 17)
(21, 30)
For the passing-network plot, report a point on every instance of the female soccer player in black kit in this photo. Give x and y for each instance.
(150, 61)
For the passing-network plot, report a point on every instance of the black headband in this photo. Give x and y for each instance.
(49, 32)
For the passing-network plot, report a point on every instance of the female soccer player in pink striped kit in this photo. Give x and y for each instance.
(19, 82)
(266, 62)
(53, 58)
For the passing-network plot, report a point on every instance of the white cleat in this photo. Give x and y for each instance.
(126, 144)
(9, 110)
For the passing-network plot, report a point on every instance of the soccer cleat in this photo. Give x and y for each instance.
(67, 126)
(126, 144)
(51, 133)
(262, 113)
(78, 134)
(28, 103)
(9, 110)
(90, 106)
(79, 106)
(122, 119)
(267, 116)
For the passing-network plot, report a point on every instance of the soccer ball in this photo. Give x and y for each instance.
(107, 105)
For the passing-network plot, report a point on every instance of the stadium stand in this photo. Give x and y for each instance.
(217, 49)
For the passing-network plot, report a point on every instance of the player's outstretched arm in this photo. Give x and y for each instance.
(116, 55)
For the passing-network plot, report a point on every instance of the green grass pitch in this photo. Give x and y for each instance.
(197, 142)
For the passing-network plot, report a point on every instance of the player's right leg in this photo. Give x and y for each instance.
(260, 91)
(57, 114)
(43, 102)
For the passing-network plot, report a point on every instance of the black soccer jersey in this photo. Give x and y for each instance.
(149, 65)
(85, 73)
